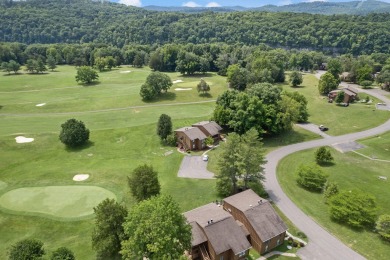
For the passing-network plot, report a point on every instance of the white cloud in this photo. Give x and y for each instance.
(191, 4)
(131, 2)
(213, 4)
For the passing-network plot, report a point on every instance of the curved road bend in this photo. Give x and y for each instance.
(322, 244)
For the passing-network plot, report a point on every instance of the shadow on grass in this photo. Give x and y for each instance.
(205, 75)
(13, 74)
(1, 107)
(206, 95)
(167, 96)
(326, 164)
(95, 83)
(80, 148)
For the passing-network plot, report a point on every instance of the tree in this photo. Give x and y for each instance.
(164, 126)
(203, 86)
(364, 73)
(334, 67)
(26, 249)
(241, 159)
(327, 83)
(86, 75)
(154, 84)
(100, 63)
(143, 183)
(5, 67)
(156, 229)
(74, 133)
(209, 141)
(40, 66)
(330, 189)
(384, 78)
(340, 97)
(237, 77)
(303, 114)
(354, 208)
(108, 232)
(323, 155)
(383, 226)
(311, 177)
(62, 253)
(51, 62)
(31, 65)
(296, 78)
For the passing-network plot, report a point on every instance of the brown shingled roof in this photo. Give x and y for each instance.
(212, 127)
(192, 133)
(223, 233)
(259, 212)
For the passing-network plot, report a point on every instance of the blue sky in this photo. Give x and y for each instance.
(214, 3)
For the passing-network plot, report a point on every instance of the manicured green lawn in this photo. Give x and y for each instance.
(340, 120)
(57, 201)
(350, 171)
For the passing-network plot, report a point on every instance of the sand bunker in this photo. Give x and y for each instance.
(40, 105)
(182, 89)
(177, 81)
(81, 177)
(22, 139)
(126, 71)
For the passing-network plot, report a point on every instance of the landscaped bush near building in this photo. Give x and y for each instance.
(366, 84)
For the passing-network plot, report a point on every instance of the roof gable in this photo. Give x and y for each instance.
(210, 126)
(223, 232)
(192, 133)
(259, 212)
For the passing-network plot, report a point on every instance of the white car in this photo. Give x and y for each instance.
(205, 157)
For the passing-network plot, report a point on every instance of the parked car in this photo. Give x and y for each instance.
(205, 158)
(323, 128)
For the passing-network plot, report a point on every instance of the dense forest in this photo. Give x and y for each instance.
(83, 21)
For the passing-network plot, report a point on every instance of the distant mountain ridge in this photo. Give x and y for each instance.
(317, 7)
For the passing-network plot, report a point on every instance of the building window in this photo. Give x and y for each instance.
(221, 257)
(266, 248)
(243, 253)
(278, 242)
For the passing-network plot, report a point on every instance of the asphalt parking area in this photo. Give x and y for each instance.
(347, 146)
(195, 168)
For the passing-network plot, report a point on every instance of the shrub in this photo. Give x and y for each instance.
(366, 84)
(171, 140)
(330, 189)
(74, 133)
(26, 249)
(143, 183)
(354, 208)
(62, 253)
(383, 226)
(323, 155)
(311, 177)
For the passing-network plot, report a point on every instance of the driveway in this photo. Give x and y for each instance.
(195, 168)
(322, 244)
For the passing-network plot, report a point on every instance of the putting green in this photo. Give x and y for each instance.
(55, 201)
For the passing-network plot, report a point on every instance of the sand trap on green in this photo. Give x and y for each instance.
(56, 201)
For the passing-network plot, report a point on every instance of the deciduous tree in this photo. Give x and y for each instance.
(203, 86)
(327, 83)
(323, 155)
(62, 253)
(144, 183)
(330, 189)
(86, 75)
(383, 226)
(164, 126)
(311, 177)
(74, 133)
(296, 78)
(26, 249)
(108, 232)
(241, 159)
(156, 228)
(51, 62)
(354, 208)
(340, 97)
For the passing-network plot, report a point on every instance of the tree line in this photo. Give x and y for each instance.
(80, 21)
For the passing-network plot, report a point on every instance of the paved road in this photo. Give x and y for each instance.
(322, 245)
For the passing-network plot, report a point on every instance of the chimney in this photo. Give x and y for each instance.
(211, 221)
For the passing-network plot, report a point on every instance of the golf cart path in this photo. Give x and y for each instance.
(322, 244)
